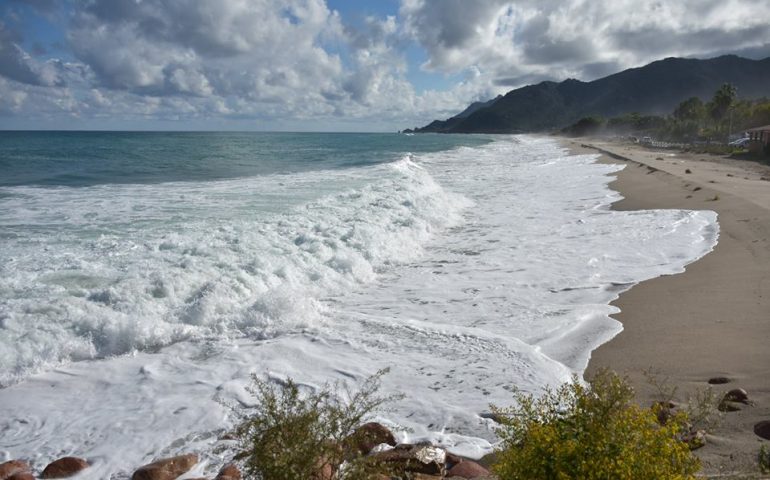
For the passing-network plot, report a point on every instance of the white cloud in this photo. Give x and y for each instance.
(527, 39)
(275, 62)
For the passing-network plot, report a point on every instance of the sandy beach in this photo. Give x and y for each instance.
(712, 320)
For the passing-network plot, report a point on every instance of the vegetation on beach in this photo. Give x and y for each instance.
(691, 121)
(592, 432)
(295, 434)
(579, 430)
(764, 459)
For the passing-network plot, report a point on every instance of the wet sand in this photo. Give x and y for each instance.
(714, 319)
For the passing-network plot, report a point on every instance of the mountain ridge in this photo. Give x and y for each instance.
(655, 88)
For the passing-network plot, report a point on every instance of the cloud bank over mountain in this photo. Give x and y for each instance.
(309, 64)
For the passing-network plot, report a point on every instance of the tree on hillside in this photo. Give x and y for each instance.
(720, 104)
(690, 110)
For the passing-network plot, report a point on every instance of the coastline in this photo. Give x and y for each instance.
(713, 319)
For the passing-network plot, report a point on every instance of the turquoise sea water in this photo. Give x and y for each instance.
(93, 158)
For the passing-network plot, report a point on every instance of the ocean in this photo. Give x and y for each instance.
(145, 277)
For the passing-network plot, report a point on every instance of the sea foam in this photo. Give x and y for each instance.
(134, 315)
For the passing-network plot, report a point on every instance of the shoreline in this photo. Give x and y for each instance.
(711, 320)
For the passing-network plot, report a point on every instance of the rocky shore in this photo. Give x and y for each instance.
(421, 461)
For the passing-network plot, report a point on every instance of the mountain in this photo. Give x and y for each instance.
(473, 107)
(656, 88)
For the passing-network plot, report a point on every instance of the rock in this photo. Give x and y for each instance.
(166, 468)
(467, 469)
(718, 380)
(369, 435)
(495, 417)
(21, 476)
(737, 395)
(688, 170)
(452, 460)
(229, 472)
(725, 406)
(64, 467)
(12, 467)
(420, 458)
(762, 429)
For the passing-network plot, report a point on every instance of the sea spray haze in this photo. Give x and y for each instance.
(145, 277)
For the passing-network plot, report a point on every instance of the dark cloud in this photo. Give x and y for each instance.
(662, 42)
(592, 71)
(17, 65)
(547, 51)
(450, 23)
(515, 82)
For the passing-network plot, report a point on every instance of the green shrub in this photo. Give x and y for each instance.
(294, 436)
(764, 459)
(590, 432)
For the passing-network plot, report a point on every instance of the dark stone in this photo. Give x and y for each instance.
(762, 429)
(725, 406)
(737, 395)
(64, 467)
(369, 435)
(492, 416)
(452, 460)
(420, 458)
(718, 380)
(467, 469)
(11, 467)
(21, 476)
(229, 472)
(166, 468)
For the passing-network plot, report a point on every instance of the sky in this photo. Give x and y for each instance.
(329, 65)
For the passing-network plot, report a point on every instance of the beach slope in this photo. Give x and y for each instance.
(712, 320)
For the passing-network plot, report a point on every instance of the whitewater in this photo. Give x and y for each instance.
(133, 315)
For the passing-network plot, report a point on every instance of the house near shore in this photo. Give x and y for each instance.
(759, 140)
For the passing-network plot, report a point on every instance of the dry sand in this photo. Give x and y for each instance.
(714, 319)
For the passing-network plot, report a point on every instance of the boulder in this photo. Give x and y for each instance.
(11, 467)
(725, 406)
(64, 467)
(736, 395)
(166, 468)
(467, 469)
(229, 472)
(762, 429)
(420, 458)
(452, 460)
(368, 436)
(21, 476)
(718, 380)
